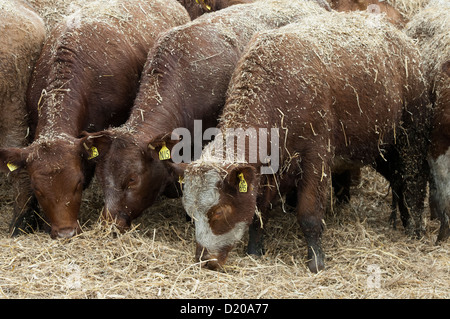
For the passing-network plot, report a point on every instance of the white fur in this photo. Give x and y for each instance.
(440, 170)
(199, 196)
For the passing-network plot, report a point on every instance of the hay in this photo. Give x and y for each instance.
(408, 8)
(54, 11)
(431, 29)
(155, 259)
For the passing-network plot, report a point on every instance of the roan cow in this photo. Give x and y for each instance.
(185, 79)
(344, 91)
(86, 79)
(23, 34)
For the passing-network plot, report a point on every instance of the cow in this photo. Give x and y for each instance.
(372, 6)
(340, 91)
(20, 46)
(197, 8)
(431, 29)
(85, 80)
(185, 78)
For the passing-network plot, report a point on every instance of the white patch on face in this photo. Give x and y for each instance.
(199, 196)
(440, 172)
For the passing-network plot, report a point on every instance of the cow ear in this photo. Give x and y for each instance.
(241, 179)
(12, 159)
(94, 145)
(162, 145)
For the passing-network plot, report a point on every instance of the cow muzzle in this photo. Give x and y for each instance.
(65, 232)
(119, 219)
(211, 261)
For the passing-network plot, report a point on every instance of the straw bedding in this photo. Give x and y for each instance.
(156, 258)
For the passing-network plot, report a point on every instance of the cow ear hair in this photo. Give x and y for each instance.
(12, 159)
(241, 178)
(95, 145)
(160, 141)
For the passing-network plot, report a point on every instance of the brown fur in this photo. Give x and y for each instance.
(85, 80)
(197, 8)
(339, 90)
(185, 78)
(372, 6)
(20, 45)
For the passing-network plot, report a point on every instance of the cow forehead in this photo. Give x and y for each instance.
(201, 191)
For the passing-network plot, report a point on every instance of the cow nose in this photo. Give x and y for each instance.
(66, 232)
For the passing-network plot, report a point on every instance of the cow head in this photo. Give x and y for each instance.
(222, 203)
(56, 168)
(130, 172)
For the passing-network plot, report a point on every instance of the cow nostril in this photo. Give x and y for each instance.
(66, 233)
(211, 264)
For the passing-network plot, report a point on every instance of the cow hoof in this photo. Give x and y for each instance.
(444, 233)
(316, 265)
(316, 259)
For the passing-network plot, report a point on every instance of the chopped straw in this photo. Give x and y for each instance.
(156, 258)
(365, 256)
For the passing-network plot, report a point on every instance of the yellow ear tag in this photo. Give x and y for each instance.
(164, 153)
(12, 167)
(94, 153)
(203, 1)
(242, 184)
(181, 181)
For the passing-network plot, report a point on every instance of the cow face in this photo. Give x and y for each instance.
(56, 173)
(131, 176)
(222, 208)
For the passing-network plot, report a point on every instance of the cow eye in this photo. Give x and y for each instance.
(132, 181)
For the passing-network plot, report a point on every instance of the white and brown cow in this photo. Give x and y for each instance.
(344, 91)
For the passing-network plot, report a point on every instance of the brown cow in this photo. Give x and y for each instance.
(431, 29)
(196, 8)
(85, 80)
(20, 46)
(344, 90)
(372, 6)
(185, 78)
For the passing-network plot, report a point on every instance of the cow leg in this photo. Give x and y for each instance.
(310, 213)
(256, 238)
(414, 175)
(341, 186)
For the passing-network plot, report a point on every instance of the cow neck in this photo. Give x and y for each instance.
(60, 110)
(157, 109)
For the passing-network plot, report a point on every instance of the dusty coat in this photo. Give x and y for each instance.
(185, 79)
(431, 28)
(372, 6)
(85, 80)
(23, 35)
(344, 90)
